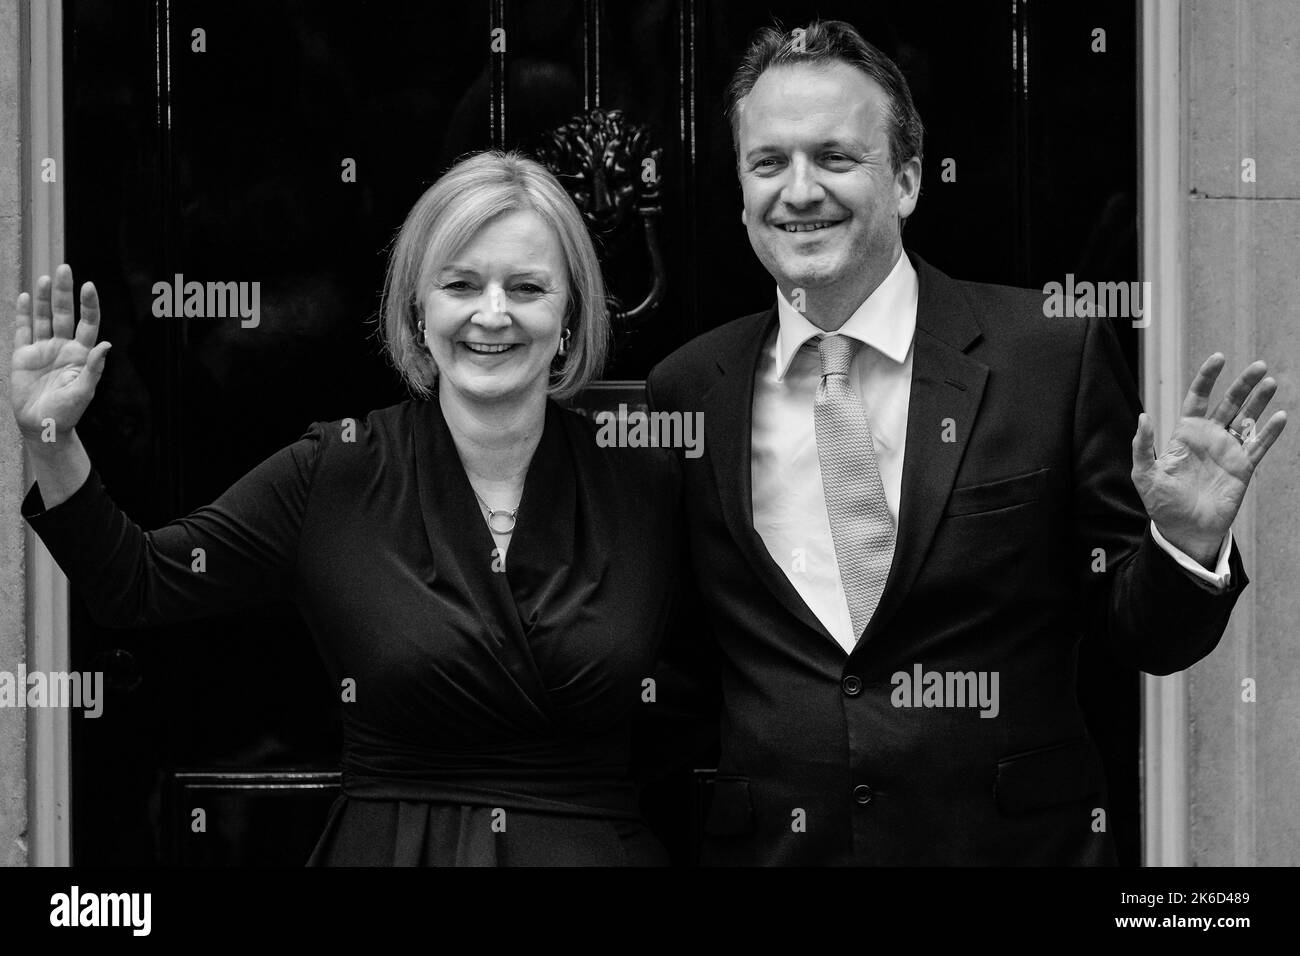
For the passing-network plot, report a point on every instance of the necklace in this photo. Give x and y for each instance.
(493, 516)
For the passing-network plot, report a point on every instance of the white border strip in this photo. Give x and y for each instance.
(48, 756)
(1164, 699)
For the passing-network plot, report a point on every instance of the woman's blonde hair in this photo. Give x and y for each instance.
(472, 193)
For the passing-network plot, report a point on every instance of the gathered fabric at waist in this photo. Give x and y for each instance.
(586, 777)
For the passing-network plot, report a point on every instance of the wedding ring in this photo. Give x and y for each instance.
(1237, 435)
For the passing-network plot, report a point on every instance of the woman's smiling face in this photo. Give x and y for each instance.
(495, 311)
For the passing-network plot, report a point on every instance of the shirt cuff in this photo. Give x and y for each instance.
(1220, 579)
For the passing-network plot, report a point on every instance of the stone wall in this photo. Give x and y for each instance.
(1242, 77)
(13, 589)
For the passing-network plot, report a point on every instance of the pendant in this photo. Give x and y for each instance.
(497, 518)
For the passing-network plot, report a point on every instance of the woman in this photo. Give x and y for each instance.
(486, 586)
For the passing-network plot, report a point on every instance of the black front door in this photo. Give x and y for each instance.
(283, 142)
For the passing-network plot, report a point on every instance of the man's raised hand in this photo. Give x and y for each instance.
(1194, 489)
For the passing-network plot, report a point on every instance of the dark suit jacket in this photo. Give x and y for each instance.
(993, 572)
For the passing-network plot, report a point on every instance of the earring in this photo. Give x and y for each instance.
(564, 343)
(419, 327)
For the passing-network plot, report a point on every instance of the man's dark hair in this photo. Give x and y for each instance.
(823, 42)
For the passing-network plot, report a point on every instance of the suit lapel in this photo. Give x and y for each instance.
(947, 384)
(728, 415)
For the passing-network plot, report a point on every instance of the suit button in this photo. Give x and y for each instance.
(852, 686)
(862, 794)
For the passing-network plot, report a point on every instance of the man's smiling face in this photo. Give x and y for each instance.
(822, 203)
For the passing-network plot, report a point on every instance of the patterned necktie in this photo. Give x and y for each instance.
(861, 528)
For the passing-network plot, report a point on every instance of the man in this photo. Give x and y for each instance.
(917, 496)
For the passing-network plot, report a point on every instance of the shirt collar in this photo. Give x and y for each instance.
(886, 320)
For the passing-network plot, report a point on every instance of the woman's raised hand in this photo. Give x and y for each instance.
(56, 363)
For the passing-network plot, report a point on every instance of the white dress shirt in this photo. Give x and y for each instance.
(788, 502)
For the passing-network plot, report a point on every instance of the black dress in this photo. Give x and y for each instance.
(486, 712)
